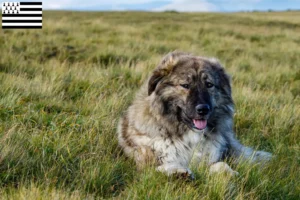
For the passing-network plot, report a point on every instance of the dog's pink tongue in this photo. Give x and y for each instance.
(200, 123)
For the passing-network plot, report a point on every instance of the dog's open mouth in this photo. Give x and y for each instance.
(200, 124)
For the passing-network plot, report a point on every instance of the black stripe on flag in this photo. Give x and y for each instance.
(21, 21)
(22, 15)
(30, 9)
(21, 27)
(30, 3)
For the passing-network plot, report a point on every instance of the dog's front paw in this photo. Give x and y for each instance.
(180, 172)
(222, 167)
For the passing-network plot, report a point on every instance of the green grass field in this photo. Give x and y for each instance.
(63, 88)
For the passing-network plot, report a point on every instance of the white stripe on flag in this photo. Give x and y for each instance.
(31, 6)
(21, 18)
(30, 12)
(21, 24)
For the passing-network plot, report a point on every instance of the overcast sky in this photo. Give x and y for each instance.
(179, 5)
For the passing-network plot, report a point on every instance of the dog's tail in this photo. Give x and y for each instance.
(243, 153)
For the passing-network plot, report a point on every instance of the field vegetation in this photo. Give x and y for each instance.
(63, 88)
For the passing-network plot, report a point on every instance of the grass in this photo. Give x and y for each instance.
(64, 87)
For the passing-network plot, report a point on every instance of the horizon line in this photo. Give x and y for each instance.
(172, 10)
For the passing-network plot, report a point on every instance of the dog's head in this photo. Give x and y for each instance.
(195, 90)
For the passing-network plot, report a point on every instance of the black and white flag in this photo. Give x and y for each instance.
(21, 15)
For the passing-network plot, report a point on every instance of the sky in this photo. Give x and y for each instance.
(162, 5)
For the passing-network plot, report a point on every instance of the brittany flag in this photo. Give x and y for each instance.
(21, 15)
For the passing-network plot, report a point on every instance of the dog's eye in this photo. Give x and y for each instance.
(186, 86)
(209, 85)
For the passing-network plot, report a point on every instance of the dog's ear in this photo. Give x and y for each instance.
(163, 69)
(153, 81)
(224, 82)
(224, 79)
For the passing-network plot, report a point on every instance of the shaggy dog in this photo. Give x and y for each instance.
(183, 114)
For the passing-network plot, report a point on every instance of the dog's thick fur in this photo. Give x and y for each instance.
(158, 127)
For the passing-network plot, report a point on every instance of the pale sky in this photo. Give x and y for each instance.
(179, 5)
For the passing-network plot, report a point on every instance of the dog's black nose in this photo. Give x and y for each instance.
(202, 109)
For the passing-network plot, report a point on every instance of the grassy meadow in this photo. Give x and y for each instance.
(63, 88)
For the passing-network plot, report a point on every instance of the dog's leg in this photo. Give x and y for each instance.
(210, 150)
(174, 159)
(222, 167)
(144, 156)
(174, 168)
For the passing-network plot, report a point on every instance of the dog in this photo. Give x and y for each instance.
(184, 114)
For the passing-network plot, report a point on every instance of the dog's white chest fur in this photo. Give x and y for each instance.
(179, 152)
